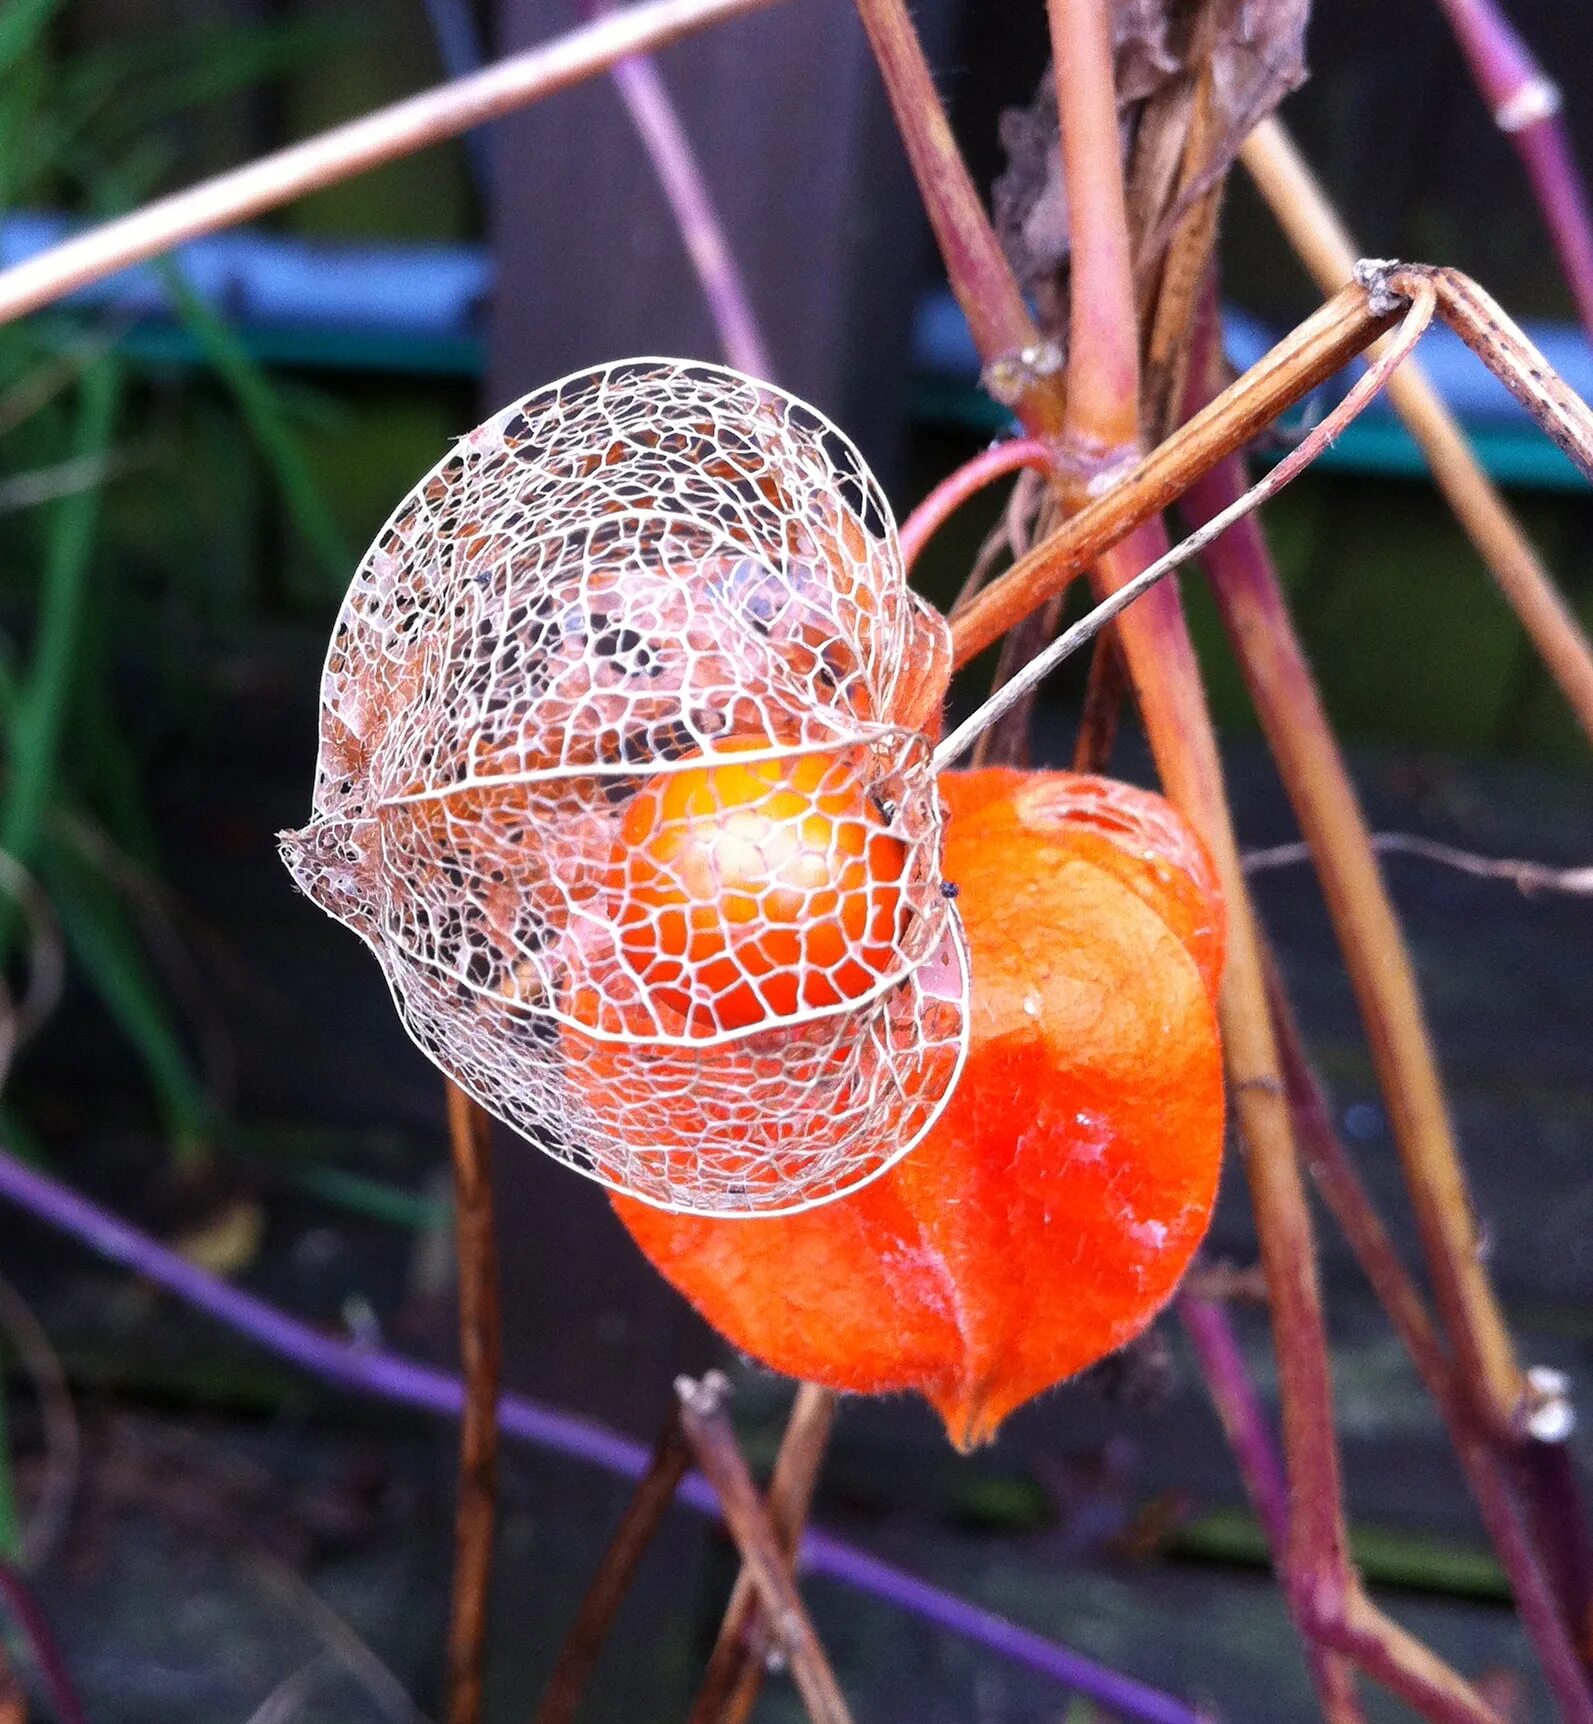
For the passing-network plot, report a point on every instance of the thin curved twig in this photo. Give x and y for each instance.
(1527, 877)
(657, 121)
(63, 1439)
(354, 148)
(1013, 455)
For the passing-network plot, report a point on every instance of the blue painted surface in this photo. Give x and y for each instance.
(418, 308)
(1511, 445)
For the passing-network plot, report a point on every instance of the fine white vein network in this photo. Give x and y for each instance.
(638, 587)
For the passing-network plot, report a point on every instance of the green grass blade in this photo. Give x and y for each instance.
(268, 425)
(107, 952)
(41, 708)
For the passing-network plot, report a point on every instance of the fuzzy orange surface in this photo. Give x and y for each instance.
(1052, 1209)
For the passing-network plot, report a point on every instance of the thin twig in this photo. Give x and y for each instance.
(657, 121)
(480, 1350)
(287, 1698)
(1102, 418)
(1293, 464)
(1527, 877)
(1105, 690)
(735, 1672)
(362, 144)
(63, 1439)
(1233, 1394)
(1319, 1580)
(1509, 353)
(360, 1368)
(1306, 357)
(1547, 1623)
(1313, 228)
(268, 1574)
(708, 1430)
(644, 1513)
(1256, 616)
(24, 1609)
(1526, 107)
(1011, 456)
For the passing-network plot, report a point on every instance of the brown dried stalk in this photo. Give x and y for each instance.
(707, 1428)
(480, 1348)
(1542, 1615)
(1238, 1407)
(1322, 1587)
(1317, 235)
(1305, 358)
(1319, 787)
(1103, 397)
(1020, 368)
(735, 1672)
(354, 148)
(583, 1645)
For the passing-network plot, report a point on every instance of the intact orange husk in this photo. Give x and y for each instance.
(1051, 1211)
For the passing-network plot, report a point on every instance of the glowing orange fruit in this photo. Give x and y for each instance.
(751, 890)
(1051, 1210)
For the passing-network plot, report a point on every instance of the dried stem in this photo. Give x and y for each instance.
(707, 1428)
(1020, 369)
(1313, 228)
(735, 1672)
(1526, 107)
(657, 121)
(1503, 346)
(1529, 878)
(1244, 1424)
(480, 1349)
(1166, 679)
(25, 1611)
(583, 1645)
(1105, 690)
(1308, 356)
(1545, 1618)
(1029, 675)
(996, 462)
(1280, 682)
(1101, 425)
(354, 148)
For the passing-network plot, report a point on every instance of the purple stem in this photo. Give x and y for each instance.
(396, 1378)
(1526, 107)
(1238, 1406)
(25, 1610)
(657, 121)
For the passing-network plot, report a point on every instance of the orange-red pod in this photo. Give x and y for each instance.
(1050, 1212)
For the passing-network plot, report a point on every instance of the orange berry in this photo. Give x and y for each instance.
(751, 890)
